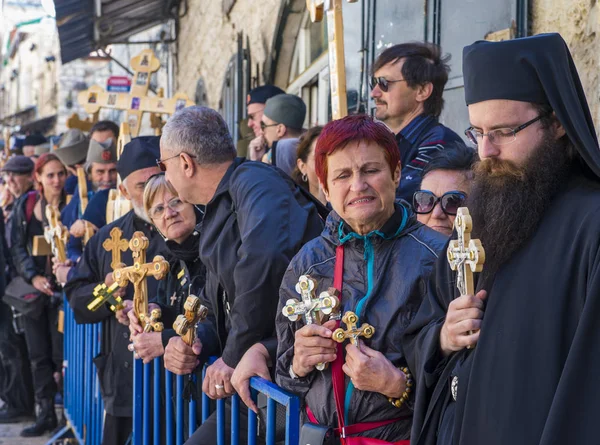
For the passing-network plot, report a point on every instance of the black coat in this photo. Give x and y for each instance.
(114, 362)
(255, 223)
(532, 378)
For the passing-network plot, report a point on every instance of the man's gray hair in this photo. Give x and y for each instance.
(199, 131)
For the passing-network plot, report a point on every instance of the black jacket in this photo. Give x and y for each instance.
(255, 223)
(114, 362)
(384, 282)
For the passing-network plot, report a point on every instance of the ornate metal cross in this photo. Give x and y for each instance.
(337, 59)
(103, 294)
(313, 309)
(137, 274)
(185, 325)
(465, 255)
(115, 244)
(56, 233)
(350, 319)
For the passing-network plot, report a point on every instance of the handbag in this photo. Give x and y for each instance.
(337, 377)
(24, 298)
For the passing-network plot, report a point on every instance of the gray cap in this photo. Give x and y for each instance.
(42, 148)
(73, 147)
(102, 152)
(286, 109)
(18, 164)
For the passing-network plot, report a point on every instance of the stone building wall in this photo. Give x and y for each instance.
(208, 40)
(578, 21)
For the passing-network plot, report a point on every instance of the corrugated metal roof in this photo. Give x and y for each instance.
(120, 19)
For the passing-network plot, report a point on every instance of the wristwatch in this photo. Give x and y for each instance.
(293, 374)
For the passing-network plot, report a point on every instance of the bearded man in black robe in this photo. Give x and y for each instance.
(517, 363)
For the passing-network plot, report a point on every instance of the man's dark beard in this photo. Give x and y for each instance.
(508, 201)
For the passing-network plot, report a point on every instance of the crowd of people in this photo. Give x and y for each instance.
(358, 212)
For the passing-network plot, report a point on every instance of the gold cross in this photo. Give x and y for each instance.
(313, 309)
(103, 294)
(137, 102)
(115, 244)
(56, 233)
(350, 319)
(465, 255)
(337, 63)
(185, 325)
(137, 274)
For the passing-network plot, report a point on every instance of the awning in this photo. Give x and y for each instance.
(119, 20)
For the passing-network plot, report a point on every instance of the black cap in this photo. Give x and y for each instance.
(140, 153)
(260, 95)
(536, 69)
(34, 139)
(18, 164)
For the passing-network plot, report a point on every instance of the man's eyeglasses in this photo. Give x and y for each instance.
(158, 211)
(161, 162)
(383, 83)
(263, 125)
(425, 201)
(499, 136)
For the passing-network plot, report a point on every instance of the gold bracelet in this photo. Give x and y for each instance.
(406, 394)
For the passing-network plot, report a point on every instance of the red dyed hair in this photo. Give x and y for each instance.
(339, 133)
(41, 162)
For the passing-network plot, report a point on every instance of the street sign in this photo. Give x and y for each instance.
(118, 84)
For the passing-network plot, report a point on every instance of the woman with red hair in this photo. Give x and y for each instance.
(375, 252)
(44, 342)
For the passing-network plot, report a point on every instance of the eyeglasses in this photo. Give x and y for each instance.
(500, 136)
(161, 162)
(383, 83)
(158, 211)
(425, 201)
(263, 125)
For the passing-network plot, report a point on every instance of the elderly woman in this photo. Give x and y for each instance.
(444, 188)
(176, 221)
(384, 255)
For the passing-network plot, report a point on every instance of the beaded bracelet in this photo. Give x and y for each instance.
(405, 395)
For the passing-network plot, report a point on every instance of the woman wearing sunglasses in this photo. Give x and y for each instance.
(445, 186)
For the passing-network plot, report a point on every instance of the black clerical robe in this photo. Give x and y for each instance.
(115, 361)
(533, 377)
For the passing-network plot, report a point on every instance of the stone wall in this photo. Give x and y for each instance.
(578, 21)
(208, 40)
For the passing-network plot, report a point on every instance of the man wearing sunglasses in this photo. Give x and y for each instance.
(516, 361)
(407, 86)
(445, 186)
(255, 103)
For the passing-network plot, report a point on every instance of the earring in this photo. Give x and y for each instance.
(304, 177)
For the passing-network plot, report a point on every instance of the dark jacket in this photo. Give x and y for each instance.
(114, 363)
(255, 223)
(384, 282)
(418, 142)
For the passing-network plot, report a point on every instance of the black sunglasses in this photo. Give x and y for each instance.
(425, 201)
(383, 83)
(161, 162)
(263, 125)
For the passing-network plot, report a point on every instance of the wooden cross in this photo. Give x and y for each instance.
(137, 274)
(118, 205)
(56, 234)
(337, 59)
(82, 188)
(313, 309)
(103, 294)
(185, 325)
(136, 103)
(350, 319)
(115, 244)
(465, 255)
(84, 125)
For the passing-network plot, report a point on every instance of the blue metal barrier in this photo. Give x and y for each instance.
(146, 432)
(83, 406)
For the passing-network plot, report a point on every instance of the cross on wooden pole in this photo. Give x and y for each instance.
(137, 102)
(185, 325)
(350, 319)
(118, 205)
(137, 274)
(115, 244)
(82, 188)
(465, 255)
(55, 234)
(104, 294)
(337, 59)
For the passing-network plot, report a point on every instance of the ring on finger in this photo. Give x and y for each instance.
(219, 386)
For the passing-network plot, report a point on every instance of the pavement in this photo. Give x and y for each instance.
(9, 434)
